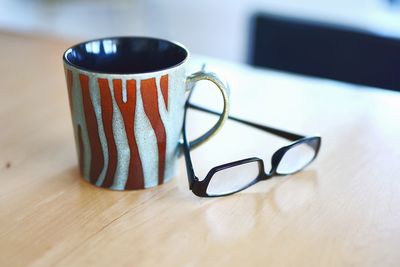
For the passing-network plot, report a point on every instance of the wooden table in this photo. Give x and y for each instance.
(344, 210)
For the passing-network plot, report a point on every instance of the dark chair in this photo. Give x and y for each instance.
(324, 50)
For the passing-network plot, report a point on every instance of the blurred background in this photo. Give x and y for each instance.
(213, 28)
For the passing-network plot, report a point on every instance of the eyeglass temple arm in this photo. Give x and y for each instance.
(188, 160)
(281, 133)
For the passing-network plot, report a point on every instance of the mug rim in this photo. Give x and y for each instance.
(89, 71)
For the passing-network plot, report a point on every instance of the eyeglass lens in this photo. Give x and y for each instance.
(297, 157)
(233, 179)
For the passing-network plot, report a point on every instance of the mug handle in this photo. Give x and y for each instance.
(224, 90)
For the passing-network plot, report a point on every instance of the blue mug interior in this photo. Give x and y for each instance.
(125, 55)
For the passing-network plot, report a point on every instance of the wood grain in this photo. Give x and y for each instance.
(342, 211)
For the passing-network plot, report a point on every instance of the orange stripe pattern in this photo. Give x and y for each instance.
(148, 90)
(97, 159)
(126, 102)
(107, 118)
(135, 174)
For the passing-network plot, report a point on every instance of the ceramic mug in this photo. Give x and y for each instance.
(127, 98)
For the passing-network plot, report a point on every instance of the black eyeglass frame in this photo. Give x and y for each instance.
(199, 187)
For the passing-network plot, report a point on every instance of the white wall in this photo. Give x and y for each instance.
(211, 27)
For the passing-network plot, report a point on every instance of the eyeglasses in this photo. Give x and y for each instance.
(238, 175)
